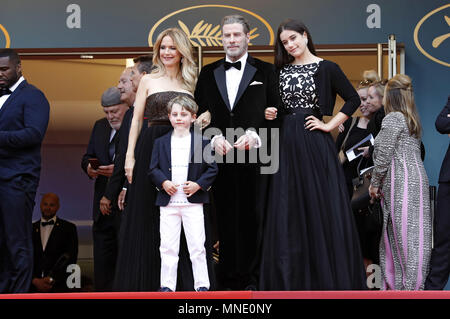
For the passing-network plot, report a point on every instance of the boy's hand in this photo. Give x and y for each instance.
(189, 188)
(169, 187)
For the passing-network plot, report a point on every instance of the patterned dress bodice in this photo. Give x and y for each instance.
(297, 87)
(156, 105)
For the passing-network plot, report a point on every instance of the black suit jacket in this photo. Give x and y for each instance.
(98, 148)
(443, 126)
(257, 91)
(23, 123)
(63, 240)
(201, 171)
(118, 180)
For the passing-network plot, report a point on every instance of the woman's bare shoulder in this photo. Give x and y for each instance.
(150, 78)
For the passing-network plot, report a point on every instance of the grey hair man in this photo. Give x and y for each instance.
(236, 90)
(98, 164)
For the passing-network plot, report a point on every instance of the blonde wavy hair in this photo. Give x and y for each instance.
(399, 97)
(188, 68)
(369, 77)
(379, 87)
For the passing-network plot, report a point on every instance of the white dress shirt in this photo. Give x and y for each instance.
(233, 79)
(46, 231)
(180, 151)
(12, 89)
(113, 133)
(111, 136)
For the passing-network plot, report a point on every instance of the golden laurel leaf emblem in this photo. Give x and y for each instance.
(6, 35)
(203, 34)
(436, 41)
(207, 34)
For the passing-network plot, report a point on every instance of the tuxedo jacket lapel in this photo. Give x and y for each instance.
(106, 137)
(51, 238)
(249, 72)
(37, 231)
(12, 97)
(53, 235)
(219, 75)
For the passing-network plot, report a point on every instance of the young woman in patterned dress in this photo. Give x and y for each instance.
(400, 179)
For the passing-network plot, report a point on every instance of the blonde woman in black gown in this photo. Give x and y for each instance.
(310, 239)
(175, 73)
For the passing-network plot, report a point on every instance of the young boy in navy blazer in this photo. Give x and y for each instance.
(183, 170)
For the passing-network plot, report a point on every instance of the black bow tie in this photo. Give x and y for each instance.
(4, 91)
(236, 65)
(50, 222)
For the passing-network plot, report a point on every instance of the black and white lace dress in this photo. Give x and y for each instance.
(310, 241)
(297, 86)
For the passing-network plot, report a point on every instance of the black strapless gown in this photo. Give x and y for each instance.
(138, 263)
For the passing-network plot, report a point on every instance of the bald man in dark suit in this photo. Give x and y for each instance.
(55, 245)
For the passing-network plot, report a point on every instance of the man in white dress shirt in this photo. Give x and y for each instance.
(236, 90)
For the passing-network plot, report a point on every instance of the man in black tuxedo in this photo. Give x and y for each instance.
(102, 146)
(55, 245)
(24, 114)
(440, 256)
(128, 84)
(236, 90)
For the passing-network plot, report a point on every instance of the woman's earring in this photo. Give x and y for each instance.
(182, 60)
(306, 41)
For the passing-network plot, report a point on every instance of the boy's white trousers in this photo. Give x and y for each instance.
(171, 219)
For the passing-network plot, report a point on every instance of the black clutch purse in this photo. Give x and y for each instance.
(361, 197)
(361, 201)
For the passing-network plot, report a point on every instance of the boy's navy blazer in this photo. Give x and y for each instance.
(201, 171)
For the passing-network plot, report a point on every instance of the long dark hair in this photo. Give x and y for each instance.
(281, 56)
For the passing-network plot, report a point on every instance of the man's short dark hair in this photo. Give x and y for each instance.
(144, 62)
(11, 54)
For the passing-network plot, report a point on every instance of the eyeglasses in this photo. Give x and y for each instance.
(365, 82)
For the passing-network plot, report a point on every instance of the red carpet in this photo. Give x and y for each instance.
(241, 295)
